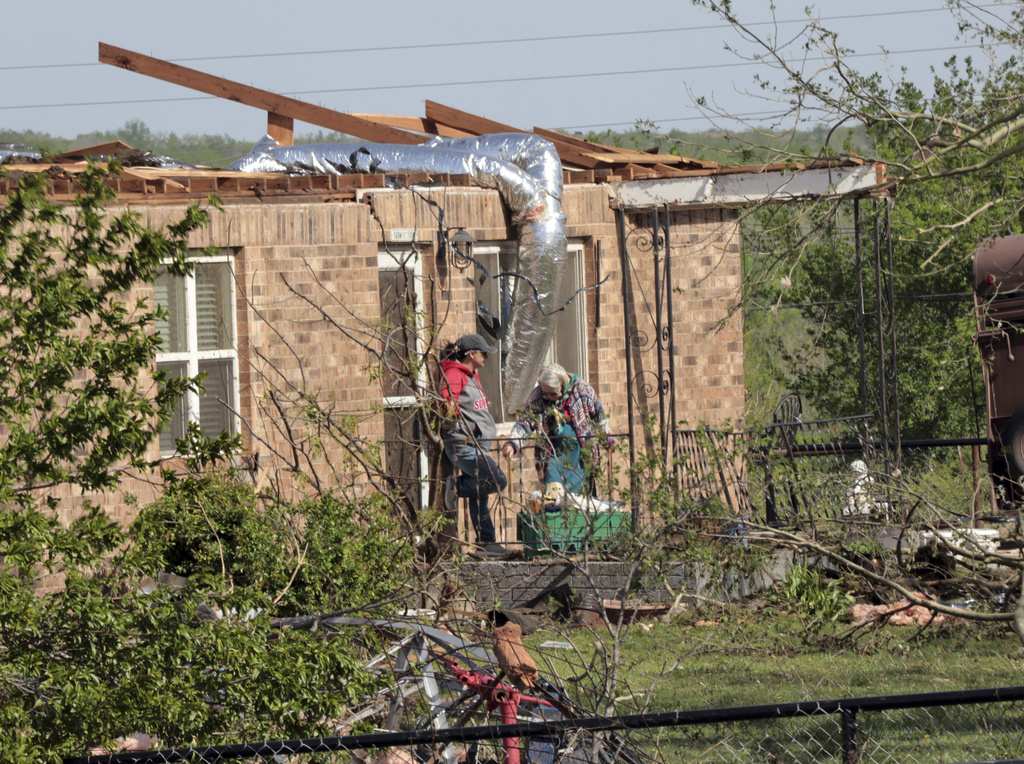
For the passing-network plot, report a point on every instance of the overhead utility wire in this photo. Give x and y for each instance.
(700, 67)
(508, 41)
(561, 38)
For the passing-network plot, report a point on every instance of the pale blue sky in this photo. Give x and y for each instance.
(553, 63)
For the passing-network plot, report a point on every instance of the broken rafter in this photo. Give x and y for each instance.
(475, 125)
(611, 151)
(463, 120)
(281, 109)
(635, 157)
(420, 124)
(574, 152)
(99, 150)
(579, 143)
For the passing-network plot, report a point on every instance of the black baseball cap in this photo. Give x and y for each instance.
(468, 342)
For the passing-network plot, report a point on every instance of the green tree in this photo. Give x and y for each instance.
(951, 149)
(937, 223)
(193, 148)
(104, 656)
(319, 555)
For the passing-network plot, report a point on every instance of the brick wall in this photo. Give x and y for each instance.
(707, 331)
(307, 286)
(527, 584)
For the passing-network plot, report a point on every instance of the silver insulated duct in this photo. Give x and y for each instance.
(525, 170)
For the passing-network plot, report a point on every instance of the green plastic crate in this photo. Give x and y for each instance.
(566, 532)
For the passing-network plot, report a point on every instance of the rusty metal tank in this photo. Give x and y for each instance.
(999, 308)
(999, 266)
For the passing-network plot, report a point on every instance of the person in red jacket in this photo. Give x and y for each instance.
(469, 432)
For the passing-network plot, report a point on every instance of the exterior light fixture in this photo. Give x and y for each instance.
(461, 245)
(462, 236)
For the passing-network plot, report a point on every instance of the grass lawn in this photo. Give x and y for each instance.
(738, 657)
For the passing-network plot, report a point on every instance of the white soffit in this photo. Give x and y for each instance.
(740, 189)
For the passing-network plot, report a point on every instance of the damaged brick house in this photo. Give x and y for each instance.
(330, 265)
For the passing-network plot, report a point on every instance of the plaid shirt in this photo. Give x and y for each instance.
(580, 408)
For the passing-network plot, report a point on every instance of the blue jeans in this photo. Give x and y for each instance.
(481, 476)
(565, 464)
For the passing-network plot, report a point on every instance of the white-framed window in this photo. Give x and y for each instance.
(568, 342)
(199, 336)
(400, 280)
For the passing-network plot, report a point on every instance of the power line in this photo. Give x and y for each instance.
(506, 41)
(561, 38)
(696, 118)
(464, 83)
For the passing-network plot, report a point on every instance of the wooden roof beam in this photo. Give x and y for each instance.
(463, 120)
(471, 123)
(281, 110)
(99, 150)
(420, 124)
(573, 152)
(281, 128)
(579, 143)
(587, 146)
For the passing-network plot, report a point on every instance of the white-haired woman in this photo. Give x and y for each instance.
(565, 410)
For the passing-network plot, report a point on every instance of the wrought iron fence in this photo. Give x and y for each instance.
(802, 472)
(965, 726)
(775, 475)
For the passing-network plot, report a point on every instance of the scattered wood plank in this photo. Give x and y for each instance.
(42, 167)
(664, 171)
(638, 172)
(99, 150)
(588, 146)
(633, 157)
(419, 124)
(577, 176)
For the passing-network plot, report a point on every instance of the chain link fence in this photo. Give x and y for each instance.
(837, 732)
(968, 726)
